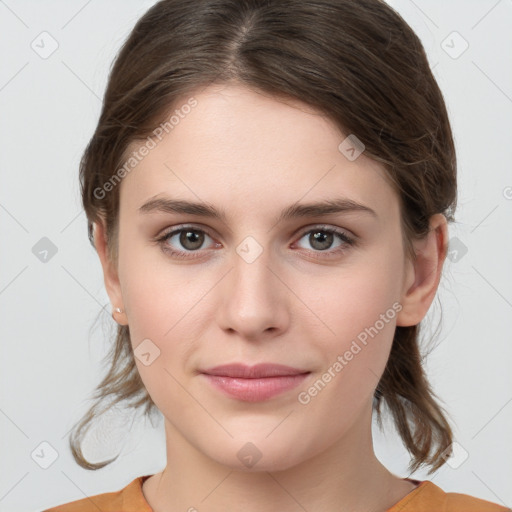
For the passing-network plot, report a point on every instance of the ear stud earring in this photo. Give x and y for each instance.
(117, 310)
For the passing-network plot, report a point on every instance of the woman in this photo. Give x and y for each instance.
(268, 189)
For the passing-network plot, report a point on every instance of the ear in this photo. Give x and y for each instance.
(110, 275)
(422, 275)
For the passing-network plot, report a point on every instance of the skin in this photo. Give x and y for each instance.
(253, 155)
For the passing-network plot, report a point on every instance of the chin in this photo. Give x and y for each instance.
(258, 456)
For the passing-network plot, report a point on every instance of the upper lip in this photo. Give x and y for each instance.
(253, 372)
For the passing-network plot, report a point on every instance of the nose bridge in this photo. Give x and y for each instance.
(251, 271)
(253, 300)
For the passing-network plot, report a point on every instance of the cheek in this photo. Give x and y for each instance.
(166, 305)
(357, 298)
(155, 298)
(360, 307)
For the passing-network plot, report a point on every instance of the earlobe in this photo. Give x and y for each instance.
(423, 275)
(110, 275)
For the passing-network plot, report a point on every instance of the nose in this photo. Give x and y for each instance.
(253, 300)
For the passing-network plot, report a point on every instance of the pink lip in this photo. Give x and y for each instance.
(254, 383)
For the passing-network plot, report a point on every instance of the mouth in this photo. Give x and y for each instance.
(254, 383)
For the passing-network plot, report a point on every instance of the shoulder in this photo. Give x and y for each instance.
(128, 499)
(465, 503)
(428, 497)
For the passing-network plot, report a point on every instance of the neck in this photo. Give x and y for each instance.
(346, 476)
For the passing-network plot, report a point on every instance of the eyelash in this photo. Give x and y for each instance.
(163, 239)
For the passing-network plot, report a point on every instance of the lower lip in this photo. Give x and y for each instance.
(255, 390)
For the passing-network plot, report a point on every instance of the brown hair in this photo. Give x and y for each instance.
(361, 65)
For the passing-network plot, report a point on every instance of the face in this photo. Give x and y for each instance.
(319, 292)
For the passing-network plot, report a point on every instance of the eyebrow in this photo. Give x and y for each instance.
(201, 209)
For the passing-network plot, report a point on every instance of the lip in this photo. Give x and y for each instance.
(254, 383)
(253, 372)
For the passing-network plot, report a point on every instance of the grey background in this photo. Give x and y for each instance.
(53, 340)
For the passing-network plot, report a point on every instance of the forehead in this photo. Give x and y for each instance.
(241, 147)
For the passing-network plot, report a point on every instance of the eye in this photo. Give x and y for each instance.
(322, 238)
(187, 237)
(183, 241)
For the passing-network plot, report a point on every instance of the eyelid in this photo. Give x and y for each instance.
(326, 227)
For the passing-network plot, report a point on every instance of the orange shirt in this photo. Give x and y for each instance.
(427, 497)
